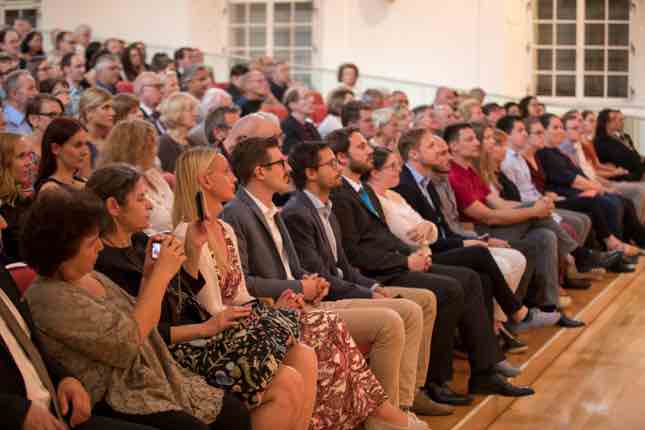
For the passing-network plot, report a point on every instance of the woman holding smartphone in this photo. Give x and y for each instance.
(271, 383)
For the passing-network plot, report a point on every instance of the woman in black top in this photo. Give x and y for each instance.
(64, 152)
(15, 163)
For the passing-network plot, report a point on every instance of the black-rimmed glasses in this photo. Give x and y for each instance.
(281, 161)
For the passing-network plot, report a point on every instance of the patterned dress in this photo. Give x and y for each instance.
(347, 391)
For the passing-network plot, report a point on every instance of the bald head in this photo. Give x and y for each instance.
(261, 124)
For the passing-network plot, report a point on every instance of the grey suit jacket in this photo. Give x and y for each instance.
(314, 250)
(263, 270)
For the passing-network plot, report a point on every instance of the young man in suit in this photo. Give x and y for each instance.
(36, 393)
(317, 240)
(272, 268)
(373, 249)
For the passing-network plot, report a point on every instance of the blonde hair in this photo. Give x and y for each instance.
(190, 165)
(487, 166)
(173, 106)
(9, 189)
(129, 142)
(91, 99)
(465, 107)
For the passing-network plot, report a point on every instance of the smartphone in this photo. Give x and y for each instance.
(156, 249)
(484, 237)
(199, 202)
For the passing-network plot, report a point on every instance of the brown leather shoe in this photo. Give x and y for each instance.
(424, 405)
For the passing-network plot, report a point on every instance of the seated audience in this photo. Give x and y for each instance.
(179, 115)
(41, 110)
(255, 89)
(373, 249)
(73, 66)
(15, 162)
(32, 45)
(218, 124)
(213, 99)
(126, 107)
(298, 127)
(471, 111)
(101, 335)
(195, 80)
(387, 131)
(280, 79)
(64, 154)
(224, 266)
(96, 113)
(148, 88)
(234, 87)
(265, 385)
(133, 62)
(611, 149)
(107, 72)
(357, 114)
(135, 142)
(19, 87)
(335, 101)
(446, 96)
(58, 88)
(563, 177)
(316, 236)
(170, 83)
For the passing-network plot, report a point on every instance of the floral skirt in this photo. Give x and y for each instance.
(243, 359)
(347, 390)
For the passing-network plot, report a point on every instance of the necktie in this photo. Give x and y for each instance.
(368, 202)
(31, 351)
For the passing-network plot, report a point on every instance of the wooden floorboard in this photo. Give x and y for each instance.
(545, 345)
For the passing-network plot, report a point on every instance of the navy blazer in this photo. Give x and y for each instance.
(314, 250)
(559, 171)
(409, 190)
(13, 394)
(263, 269)
(367, 240)
(612, 150)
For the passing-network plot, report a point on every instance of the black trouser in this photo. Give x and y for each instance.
(493, 282)
(460, 304)
(633, 229)
(593, 208)
(104, 423)
(233, 416)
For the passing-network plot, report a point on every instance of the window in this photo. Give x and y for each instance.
(282, 29)
(581, 48)
(25, 9)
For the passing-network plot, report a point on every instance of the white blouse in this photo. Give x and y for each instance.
(401, 218)
(161, 197)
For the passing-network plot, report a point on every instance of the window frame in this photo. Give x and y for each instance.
(17, 5)
(580, 48)
(270, 25)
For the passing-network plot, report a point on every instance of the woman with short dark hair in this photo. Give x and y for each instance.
(100, 334)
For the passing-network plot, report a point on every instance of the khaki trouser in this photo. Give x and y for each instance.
(399, 332)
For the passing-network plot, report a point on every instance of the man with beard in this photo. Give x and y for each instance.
(377, 253)
(317, 240)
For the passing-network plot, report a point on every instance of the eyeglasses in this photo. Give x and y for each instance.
(333, 163)
(393, 166)
(281, 161)
(51, 114)
(157, 86)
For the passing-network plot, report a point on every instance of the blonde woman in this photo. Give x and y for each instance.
(179, 114)
(15, 163)
(135, 142)
(96, 113)
(342, 371)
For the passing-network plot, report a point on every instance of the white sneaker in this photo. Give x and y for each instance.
(414, 423)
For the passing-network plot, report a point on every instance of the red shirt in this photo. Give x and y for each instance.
(468, 187)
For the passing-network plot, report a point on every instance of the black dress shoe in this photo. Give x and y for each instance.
(567, 322)
(630, 259)
(598, 259)
(510, 343)
(622, 267)
(444, 394)
(576, 284)
(496, 384)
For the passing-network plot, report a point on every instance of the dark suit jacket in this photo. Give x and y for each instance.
(559, 171)
(295, 132)
(612, 150)
(13, 395)
(308, 234)
(263, 270)
(410, 191)
(367, 240)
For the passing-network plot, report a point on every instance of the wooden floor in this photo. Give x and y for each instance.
(598, 382)
(573, 396)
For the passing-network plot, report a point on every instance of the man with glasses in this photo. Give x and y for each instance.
(8, 64)
(41, 110)
(318, 242)
(218, 124)
(19, 87)
(148, 87)
(196, 80)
